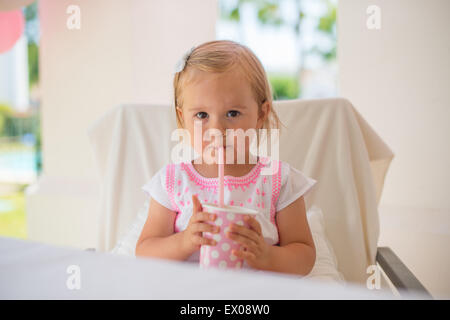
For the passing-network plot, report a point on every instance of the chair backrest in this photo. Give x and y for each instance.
(327, 139)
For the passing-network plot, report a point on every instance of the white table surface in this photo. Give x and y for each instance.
(30, 270)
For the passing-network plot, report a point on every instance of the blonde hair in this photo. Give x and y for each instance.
(220, 56)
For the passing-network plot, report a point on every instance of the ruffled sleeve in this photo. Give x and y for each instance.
(294, 184)
(157, 188)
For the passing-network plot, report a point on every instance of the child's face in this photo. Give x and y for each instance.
(222, 101)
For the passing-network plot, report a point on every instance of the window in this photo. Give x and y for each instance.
(294, 39)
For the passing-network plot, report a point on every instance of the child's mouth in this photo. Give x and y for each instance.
(224, 147)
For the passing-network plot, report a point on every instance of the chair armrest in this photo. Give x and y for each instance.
(400, 276)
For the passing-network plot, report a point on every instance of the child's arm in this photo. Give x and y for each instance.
(158, 239)
(296, 253)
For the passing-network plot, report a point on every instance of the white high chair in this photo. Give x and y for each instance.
(327, 139)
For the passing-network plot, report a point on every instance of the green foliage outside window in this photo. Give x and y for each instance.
(284, 86)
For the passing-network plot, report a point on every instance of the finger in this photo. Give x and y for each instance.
(204, 216)
(254, 224)
(199, 240)
(246, 255)
(196, 205)
(205, 227)
(244, 231)
(241, 239)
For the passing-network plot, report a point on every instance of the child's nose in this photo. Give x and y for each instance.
(215, 134)
(218, 125)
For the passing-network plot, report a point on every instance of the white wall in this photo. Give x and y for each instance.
(398, 78)
(124, 52)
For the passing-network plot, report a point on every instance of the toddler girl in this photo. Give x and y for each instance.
(222, 85)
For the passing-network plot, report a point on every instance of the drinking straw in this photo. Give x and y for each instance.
(221, 163)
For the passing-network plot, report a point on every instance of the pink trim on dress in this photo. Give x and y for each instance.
(170, 181)
(230, 181)
(276, 186)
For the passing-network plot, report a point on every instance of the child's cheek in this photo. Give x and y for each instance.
(196, 143)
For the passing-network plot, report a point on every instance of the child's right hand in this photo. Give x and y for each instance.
(193, 234)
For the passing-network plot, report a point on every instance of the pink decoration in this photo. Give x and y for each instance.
(170, 172)
(11, 28)
(276, 186)
(221, 164)
(235, 182)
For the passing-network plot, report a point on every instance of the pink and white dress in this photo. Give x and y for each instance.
(174, 184)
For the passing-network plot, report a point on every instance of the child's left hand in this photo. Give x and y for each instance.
(254, 249)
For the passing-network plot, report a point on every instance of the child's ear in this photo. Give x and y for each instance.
(263, 113)
(180, 113)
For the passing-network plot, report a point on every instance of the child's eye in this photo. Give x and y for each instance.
(234, 113)
(204, 113)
